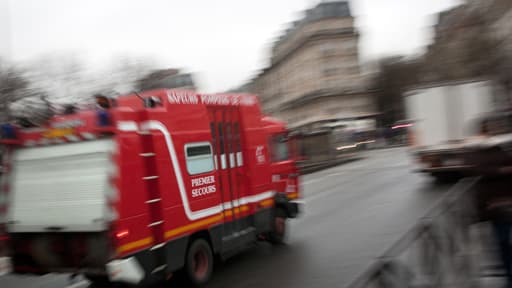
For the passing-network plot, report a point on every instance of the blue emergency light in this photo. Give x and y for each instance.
(7, 131)
(103, 118)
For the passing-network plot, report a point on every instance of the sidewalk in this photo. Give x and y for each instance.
(490, 272)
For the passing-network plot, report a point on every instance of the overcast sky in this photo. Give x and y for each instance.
(223, 41)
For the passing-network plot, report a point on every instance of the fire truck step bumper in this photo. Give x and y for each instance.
(291, 207)
(5, 265)
(125, 270)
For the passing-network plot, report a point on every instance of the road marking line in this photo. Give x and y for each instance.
(310, 181)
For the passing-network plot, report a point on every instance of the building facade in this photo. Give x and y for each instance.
(314, 72)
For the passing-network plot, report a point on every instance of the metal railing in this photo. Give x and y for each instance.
(436, 252)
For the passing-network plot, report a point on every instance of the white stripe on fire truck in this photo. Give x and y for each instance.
(248, 200)
(87, 135)
(223, 161)
(127, 126)
(72, 138)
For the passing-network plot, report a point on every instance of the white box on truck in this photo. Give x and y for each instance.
(445, 117)
(445, 113)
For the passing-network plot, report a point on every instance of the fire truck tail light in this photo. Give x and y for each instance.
(122, 234)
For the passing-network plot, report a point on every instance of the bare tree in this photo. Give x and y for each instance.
(395, 76)
(13, 86)
(124, 72)
(51, 82)
(65, 78)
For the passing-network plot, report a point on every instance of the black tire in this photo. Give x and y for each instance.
(278, 234)
(98, 281)
(199, 262)
(447, 177)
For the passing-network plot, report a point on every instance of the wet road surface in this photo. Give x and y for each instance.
(352, 213)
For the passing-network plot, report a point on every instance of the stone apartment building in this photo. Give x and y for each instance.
(314, 72)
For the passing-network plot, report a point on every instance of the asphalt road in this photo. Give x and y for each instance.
(352, 213)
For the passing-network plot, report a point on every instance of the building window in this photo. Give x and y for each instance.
(349, 45)
(333, 110)
(354, 69)
(199, 158)
(328, 49)
(330, 71)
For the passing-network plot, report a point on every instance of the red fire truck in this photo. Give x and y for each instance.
(145, 186)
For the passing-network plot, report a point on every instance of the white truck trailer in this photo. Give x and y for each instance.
(445, 118)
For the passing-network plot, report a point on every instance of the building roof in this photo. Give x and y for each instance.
(321, 11)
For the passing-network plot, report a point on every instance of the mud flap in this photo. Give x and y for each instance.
(5, 266)
(291, 208)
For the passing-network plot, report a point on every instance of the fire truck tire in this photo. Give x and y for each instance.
(97, 281)
(199, 262)
(446, 177)
(278, 234)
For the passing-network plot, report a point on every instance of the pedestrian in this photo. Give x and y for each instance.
(494, 197)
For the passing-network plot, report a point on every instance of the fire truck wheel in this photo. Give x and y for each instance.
(199, 265)
(278, 233)
(98, 281)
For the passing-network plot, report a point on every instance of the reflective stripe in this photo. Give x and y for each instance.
(72, 138)
(232, 160)
(127, 126)
(159, 268)
(239, 159)
(223, 161)
(156, 223)
(192, 226)
(158, 246)
(153, 200)
(87, 135)
(267, 203)
(293, 195)
(256, 198)
(135, 244)
(147, 154)
(237, 210)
